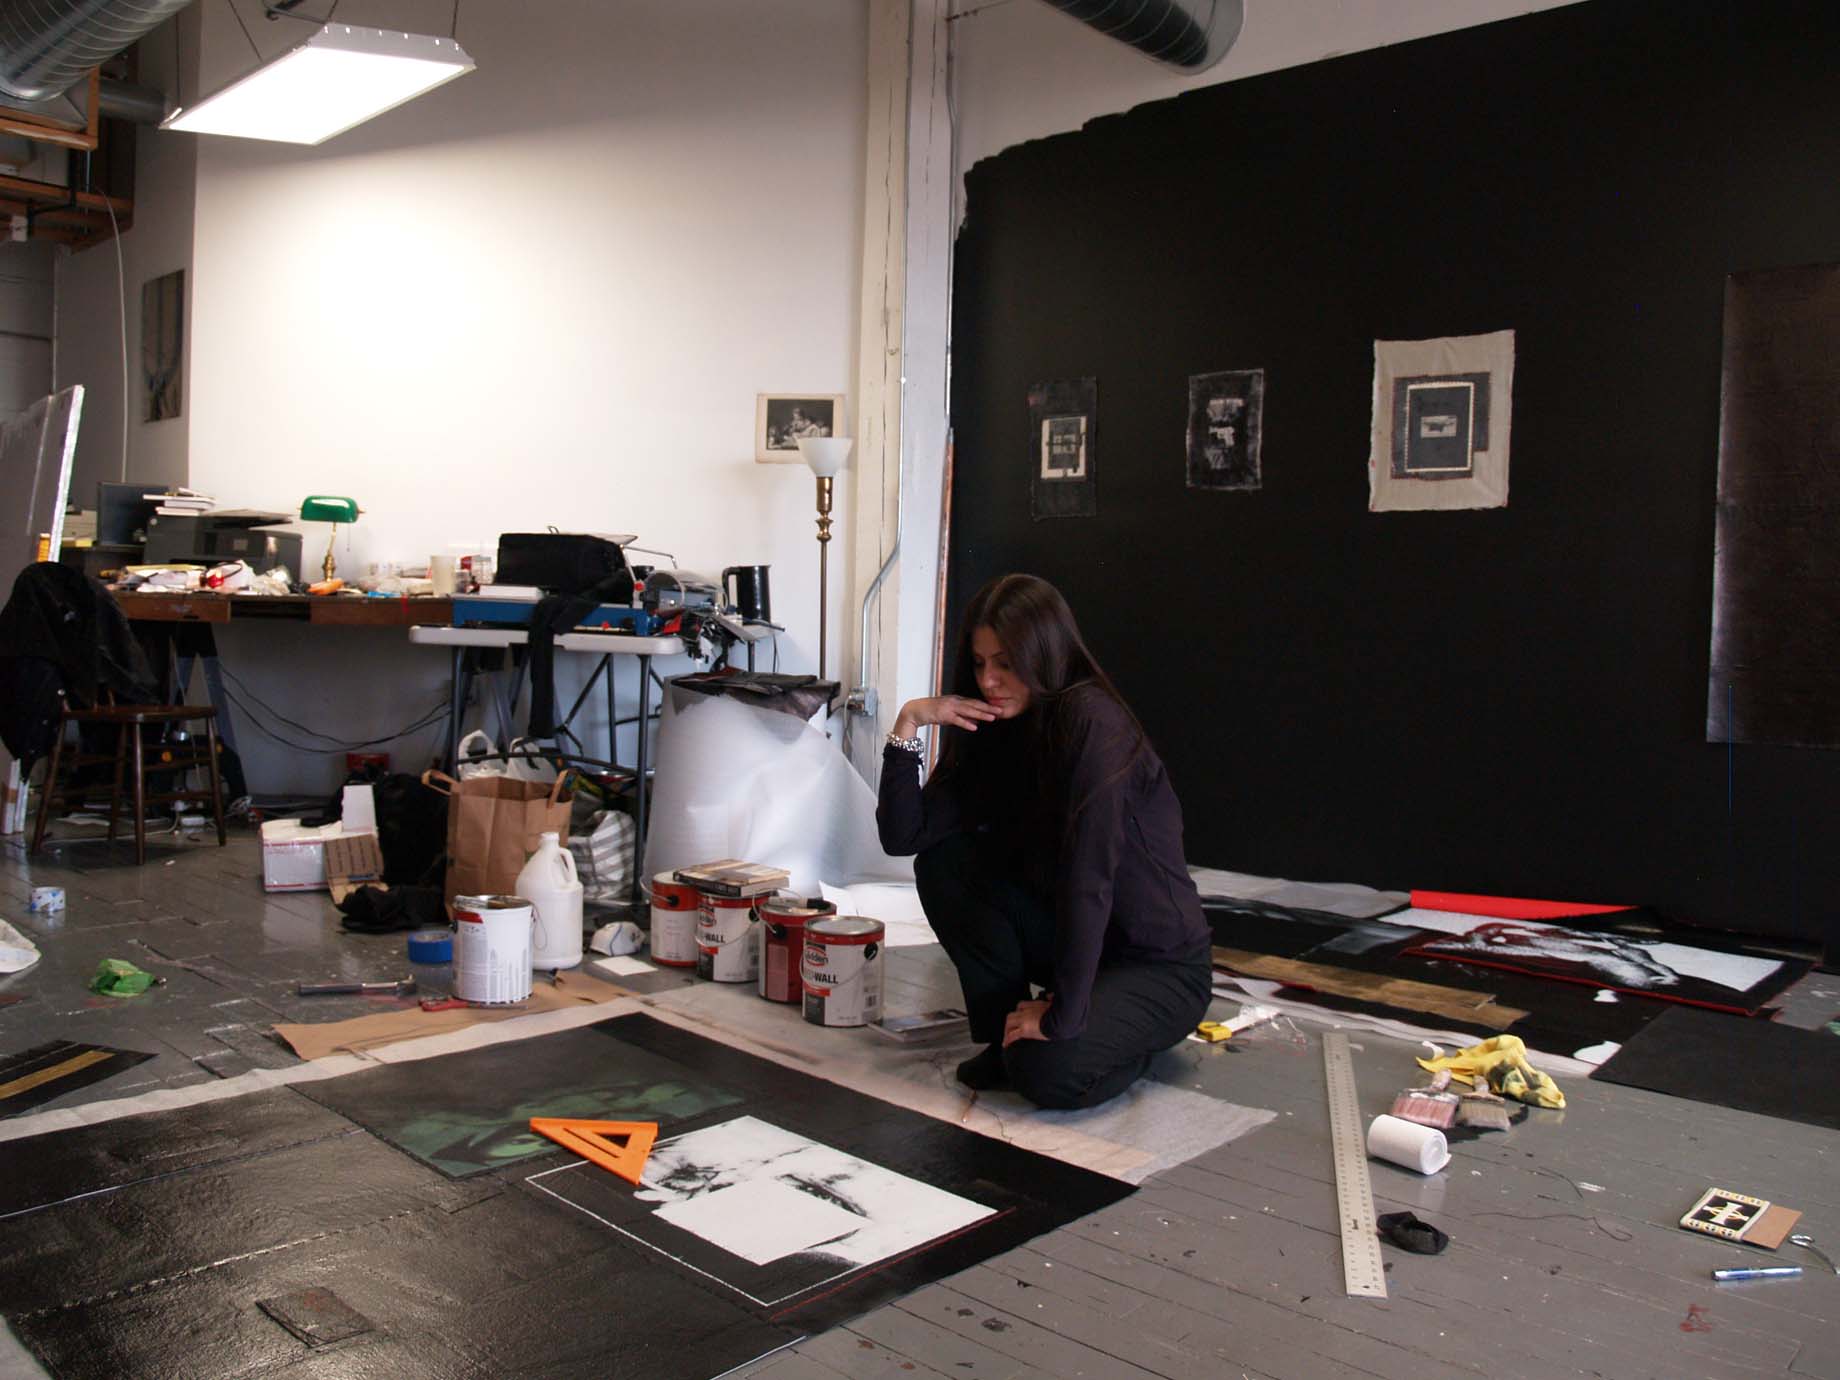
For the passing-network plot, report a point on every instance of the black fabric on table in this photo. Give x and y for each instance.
(1741, 1062)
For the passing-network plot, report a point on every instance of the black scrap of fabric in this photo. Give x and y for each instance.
(37, 1075)
(1405, 1231)
(377, 910)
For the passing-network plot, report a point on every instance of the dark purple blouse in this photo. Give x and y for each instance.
(1121, 889)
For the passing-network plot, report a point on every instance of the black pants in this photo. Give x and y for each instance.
(999, 934)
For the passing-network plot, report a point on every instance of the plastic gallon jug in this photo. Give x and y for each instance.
(549, 883)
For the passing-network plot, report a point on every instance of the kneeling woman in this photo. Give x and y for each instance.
(1049, 851)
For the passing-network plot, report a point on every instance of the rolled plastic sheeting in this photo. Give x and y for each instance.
(1506, 907)
(1421, 1149)
(736, 781)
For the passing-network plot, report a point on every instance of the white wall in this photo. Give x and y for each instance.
(1024, 70)
(90, 286)
(547, 293)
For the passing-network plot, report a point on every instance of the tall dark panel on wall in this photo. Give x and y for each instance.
(1510, 700)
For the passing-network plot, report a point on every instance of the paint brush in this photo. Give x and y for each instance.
(1483, 1110)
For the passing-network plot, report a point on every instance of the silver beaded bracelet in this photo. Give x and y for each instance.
(915, 745)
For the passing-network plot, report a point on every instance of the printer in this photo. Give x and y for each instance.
(230, 534)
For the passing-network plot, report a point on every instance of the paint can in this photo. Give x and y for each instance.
(47, 900)
(675, 912)
(842, 970)
(492, 949)
(782, 943)
(727, 939)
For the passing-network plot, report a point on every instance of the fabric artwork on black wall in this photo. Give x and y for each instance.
(1062, 426)
(1775, 673)
(1440, 426)
(1226, 424)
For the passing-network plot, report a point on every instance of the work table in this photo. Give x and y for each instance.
(210, 606)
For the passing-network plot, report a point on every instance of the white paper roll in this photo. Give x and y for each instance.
(1422, 1149)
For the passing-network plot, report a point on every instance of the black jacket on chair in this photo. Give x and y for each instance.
(62, 635)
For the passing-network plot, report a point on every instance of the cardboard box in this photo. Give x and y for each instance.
(294, 856)
(335, 857)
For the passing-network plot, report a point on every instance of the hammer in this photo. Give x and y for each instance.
(401, 987)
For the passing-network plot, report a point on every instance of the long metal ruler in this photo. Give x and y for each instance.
(1354, 1191)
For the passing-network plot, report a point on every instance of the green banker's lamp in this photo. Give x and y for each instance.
(327, 508)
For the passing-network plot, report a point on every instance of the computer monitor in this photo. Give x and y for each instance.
(122, 511)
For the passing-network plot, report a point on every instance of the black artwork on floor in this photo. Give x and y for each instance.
(1734, 1061)
(468, 1113)
(1563, 1015)
(266, 1232)
(35, 1076)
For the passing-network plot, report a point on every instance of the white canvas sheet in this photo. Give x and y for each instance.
(887, 1212)
(761, 1220)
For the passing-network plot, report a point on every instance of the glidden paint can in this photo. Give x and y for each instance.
(727, 939)
(492, 949)
(842, 970)
(674, 917)
(782, 944)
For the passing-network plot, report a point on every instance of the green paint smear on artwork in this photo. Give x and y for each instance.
(459, 1143)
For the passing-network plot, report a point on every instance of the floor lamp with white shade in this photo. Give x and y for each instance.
(826, 456)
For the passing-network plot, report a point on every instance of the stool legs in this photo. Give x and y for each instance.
(140, 797)
(121, 763)
(217, 786)
(50, 789)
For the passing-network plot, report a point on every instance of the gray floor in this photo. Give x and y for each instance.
(1564, 1256)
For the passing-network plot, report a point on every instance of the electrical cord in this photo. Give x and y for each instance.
(428, 719)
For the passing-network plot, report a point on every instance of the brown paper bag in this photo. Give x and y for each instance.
(494, 824)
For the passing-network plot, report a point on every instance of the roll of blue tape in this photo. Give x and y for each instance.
(431, 946)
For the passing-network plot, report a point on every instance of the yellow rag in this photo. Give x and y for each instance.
(1501, 1062)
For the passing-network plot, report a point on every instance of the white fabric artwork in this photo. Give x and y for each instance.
(737, 781)
(761, 1220)
(888, 1213)
(1473, 377)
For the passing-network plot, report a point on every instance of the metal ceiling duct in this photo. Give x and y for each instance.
(48, 46)
(1192, 35)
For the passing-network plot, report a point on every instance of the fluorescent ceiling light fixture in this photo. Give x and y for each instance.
(340, 77)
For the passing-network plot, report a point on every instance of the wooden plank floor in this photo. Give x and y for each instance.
(1564, 1258)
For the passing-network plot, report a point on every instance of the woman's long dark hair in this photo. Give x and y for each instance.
(1047, 654)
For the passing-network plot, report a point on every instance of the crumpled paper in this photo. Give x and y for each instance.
(17, 953)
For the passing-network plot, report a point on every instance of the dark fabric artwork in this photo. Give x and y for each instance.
(1775, 666)
(1226, 424)
(1063, 426)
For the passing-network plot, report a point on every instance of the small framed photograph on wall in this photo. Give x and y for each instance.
(782, 420)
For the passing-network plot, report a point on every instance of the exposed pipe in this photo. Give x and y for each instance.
(125, 100)
(1190, 34)
(48, 46)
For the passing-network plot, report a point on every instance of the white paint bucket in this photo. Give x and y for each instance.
(676, 909)
(492, 949)
(728, 939)
(842, 970)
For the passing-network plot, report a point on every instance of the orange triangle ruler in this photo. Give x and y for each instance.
(589, 1139)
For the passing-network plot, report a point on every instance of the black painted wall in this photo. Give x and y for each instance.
(1509, 701)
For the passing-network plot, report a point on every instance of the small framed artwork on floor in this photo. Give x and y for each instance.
(782, 420)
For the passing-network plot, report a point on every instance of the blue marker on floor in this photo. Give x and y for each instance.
(1758, 1272)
